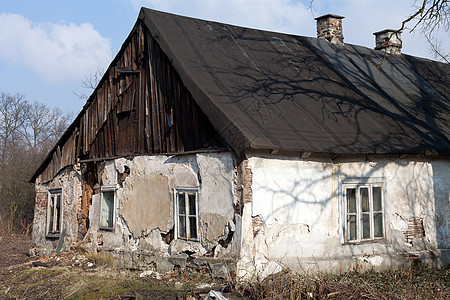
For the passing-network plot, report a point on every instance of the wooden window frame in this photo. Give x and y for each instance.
(359, 213)
(52, 199)
(108, 189)
(188, 214)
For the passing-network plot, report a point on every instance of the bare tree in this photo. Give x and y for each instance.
(43, 126)
(90, 82)
(13, 112)
(429, 17)
(27, 132)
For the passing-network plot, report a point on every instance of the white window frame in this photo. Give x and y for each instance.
(52, 200)
(188, 214)
(358, 183)
(103, 190)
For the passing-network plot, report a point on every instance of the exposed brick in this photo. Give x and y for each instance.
(329, 27)
(248, 178)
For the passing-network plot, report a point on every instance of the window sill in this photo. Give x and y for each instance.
(53, 235)
(187, 240)
(106, 228)
(378, 241)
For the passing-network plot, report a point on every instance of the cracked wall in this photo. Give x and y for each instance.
(144, 211)
(69, 181)
(297, 217)
(267, 213)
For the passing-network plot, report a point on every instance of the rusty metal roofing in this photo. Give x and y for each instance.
(268, 90)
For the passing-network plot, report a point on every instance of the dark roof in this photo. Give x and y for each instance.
(267, 90)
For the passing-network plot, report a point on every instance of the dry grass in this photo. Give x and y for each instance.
(107, 281)
(420, 282)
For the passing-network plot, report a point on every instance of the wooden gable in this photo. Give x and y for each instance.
(140, 106)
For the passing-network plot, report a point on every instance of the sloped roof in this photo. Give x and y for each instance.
(267, 90)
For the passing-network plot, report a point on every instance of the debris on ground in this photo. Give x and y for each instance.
(79, 274)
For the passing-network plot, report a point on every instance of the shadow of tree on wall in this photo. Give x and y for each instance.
(409, 195)
(298, 94)
(283, 91)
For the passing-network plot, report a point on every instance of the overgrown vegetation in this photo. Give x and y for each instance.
(104, 282)
(27, 133)
(418, 282)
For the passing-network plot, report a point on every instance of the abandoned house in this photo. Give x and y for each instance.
(248, 151)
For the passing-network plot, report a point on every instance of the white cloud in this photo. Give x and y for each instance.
(276, 15)
(56, 52)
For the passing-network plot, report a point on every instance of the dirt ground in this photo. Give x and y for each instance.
(74, 275)
(14, 250)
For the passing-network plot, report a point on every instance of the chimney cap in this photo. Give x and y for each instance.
(387, 30)
(328, 16)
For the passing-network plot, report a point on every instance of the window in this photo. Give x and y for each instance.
(107, 208)
(363, 205)
(186, 214)
(54, 213)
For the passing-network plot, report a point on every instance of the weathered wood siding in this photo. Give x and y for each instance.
(139, 107)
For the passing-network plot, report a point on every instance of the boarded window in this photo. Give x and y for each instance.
(187, 215)
(54, 212)
(107, 208)
(363, 212)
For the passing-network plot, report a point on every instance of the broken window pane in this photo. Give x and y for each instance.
(364, 194)
(58, 213)
(54, 212)
(182, 227)
(366, 226)
(107, 209)
(378, 224)
(376, 191)
(351, 200)
(51, 213)
(193, 227)
(351, 225)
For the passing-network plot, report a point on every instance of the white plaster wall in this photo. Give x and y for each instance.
(300, 201)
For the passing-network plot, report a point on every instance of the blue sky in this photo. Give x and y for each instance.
(47, 47)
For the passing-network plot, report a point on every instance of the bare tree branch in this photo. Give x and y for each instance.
(428, 17)
(90, 82)
(437, 51)
(27, 133)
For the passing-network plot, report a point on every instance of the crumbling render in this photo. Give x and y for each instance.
(415, 230)
(145, 185)
(257, 222)
(89, 172)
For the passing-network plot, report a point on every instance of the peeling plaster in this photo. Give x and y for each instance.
(295, 204)
(289, 192)
(145, 219)
(146, 203)
(69, 181)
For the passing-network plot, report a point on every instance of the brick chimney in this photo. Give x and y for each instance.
(329, 27)
(388, 40)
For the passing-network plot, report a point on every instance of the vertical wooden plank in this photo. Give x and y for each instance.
(170, 91)
(116, 131)
(159, 103)
(177, 115)
(148, 99)
(154, 106)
